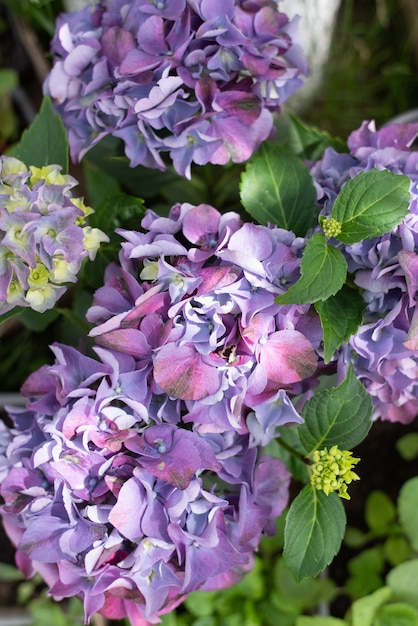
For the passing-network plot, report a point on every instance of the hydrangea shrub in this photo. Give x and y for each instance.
(138, 473)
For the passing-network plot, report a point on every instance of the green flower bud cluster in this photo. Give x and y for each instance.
(331, 470)
(331, 227)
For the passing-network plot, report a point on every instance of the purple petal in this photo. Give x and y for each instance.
(116, 43)
(79, 58)
(132, 497)
(201, 223)
(126, 340)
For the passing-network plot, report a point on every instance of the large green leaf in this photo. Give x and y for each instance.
(277, 188)
(323, 272)
(45, 141)
(371, 204)
(340, 317)
(314, 529)
(336, 416)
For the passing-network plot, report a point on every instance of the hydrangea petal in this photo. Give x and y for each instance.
(288, 357)
(184, 373)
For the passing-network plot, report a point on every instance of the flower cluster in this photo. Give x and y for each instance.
(384, 351)
(202, 322)
(43, 235)
(331, 470)
(195, 79)
(136, 477)
(122, 508)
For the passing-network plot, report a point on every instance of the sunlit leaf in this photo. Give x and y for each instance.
(277, 188)
(371, 204)
(323, 272)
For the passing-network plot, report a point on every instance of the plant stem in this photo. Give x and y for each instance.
(292, 451)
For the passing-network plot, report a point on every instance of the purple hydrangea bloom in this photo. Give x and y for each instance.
(384, 351)
(196, 80)
(112, 503)
(43, 235)
(195, 370)
(202, 324)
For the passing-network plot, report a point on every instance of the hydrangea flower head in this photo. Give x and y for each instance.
(127, 507)
(43, 235)
(196, 80)
(384, 350)
(193, 301)
(136, 476)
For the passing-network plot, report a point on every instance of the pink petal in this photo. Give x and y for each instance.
(287, 357)
(411, 341)
(183, 373)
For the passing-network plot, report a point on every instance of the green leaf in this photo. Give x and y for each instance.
(364, 609)
(309, 142)
(305, 594)
(37, 322)
(9, 80)
(408, 510)
(323, 272)
(407, 446)
(314, 530)
(276, 187)
(396, 549)
(10, 573)
(371, 204)
(365, 572)
(379, 511)
(403, 581)
(120, 210)
(99, 184)
(396, 614)
(45, 141)
(201, 603)
(12, 313)
(340, 317)
(46, 612)
(355, 538)
(337, 416)
(108, 155)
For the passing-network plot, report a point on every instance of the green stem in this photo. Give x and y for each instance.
(292, 451)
